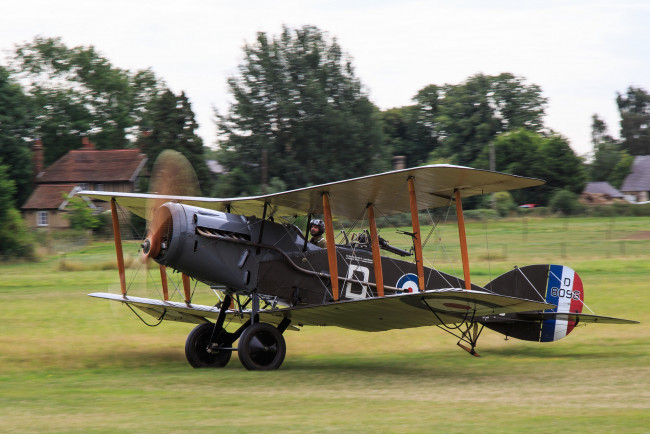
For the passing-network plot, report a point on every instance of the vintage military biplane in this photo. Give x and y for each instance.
(273, 279)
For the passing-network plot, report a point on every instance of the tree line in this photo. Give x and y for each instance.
(301, 116)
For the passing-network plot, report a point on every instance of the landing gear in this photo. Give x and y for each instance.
(261, 347)
(202, 348)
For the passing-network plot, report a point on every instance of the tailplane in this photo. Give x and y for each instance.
(555, 284)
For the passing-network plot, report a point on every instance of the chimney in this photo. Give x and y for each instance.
(37, 157)
(399, 162)
(85, 141)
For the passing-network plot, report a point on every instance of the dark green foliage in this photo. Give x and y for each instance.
(621, 170)
(14, 125)
(297, 97)
(81, 215)
(7, 190)
(473, 113)
(411, 130)
(76, 91)
(173, 126)
(504, 203)
(634, 108)
(550, 158)
(15, 240)
(565, 202)
(611, 162)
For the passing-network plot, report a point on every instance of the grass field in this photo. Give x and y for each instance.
(70, 363)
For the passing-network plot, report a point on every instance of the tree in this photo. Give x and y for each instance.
(76, 91)
(471, 114)
(634, 108)
(15, 240)
(565, 202)
(398, 127)
(14, 125)
(621, 170)
(81, 215)
(297, 98)
(550, 158)
(173, 126)
(410, 130)
(504, 203)
(607, 151)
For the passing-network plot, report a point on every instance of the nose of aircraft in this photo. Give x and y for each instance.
(160, 225)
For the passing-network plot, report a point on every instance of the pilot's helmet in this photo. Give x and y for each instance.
(320, 224)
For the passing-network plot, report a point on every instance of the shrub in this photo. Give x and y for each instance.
(15, 240)
(480, 214)
(81, 215)
(504, 203)
(565, 202)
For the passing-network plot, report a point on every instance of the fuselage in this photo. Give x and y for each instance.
(248, 254)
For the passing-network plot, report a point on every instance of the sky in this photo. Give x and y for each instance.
(581, 53)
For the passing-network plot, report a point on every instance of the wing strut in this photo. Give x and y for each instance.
(187, 288)
(117, 236)
(463, 240)
(417, 239)
(376, 254)
(331, 246)
(163, 280)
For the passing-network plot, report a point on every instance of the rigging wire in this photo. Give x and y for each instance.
(160, 320)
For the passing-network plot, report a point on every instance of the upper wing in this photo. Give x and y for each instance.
(434, 186)
(442, 306)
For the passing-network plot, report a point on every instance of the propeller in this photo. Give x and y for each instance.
(172, 175)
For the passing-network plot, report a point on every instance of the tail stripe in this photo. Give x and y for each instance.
(559, 291)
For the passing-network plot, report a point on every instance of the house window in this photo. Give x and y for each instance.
(99, 187)
(42, 218)
(84, 186)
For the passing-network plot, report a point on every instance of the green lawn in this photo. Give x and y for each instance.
(72, 363)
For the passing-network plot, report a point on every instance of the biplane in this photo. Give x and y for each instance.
(270, 278)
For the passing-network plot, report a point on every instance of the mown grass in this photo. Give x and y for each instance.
(70, 363)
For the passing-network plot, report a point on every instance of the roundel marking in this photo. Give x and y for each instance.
(408, 283)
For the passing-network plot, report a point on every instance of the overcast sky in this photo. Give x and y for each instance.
(581, 52)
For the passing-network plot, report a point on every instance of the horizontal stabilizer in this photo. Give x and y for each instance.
(578, 318)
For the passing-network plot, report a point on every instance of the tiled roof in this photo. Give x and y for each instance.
(91, 165)
(602, 188)
(48, 196)
(639, 177)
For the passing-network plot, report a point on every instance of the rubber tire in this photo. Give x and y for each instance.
(196, 349)
(261, 347)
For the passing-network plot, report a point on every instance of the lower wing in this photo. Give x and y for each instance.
(435, 307)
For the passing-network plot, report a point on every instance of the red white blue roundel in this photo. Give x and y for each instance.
(408, 283)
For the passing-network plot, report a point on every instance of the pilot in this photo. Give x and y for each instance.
(316, 229)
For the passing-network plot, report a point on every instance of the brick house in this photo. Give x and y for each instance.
(80, 169)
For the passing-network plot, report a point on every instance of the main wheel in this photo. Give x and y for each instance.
(261, 347)
(198, 348)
